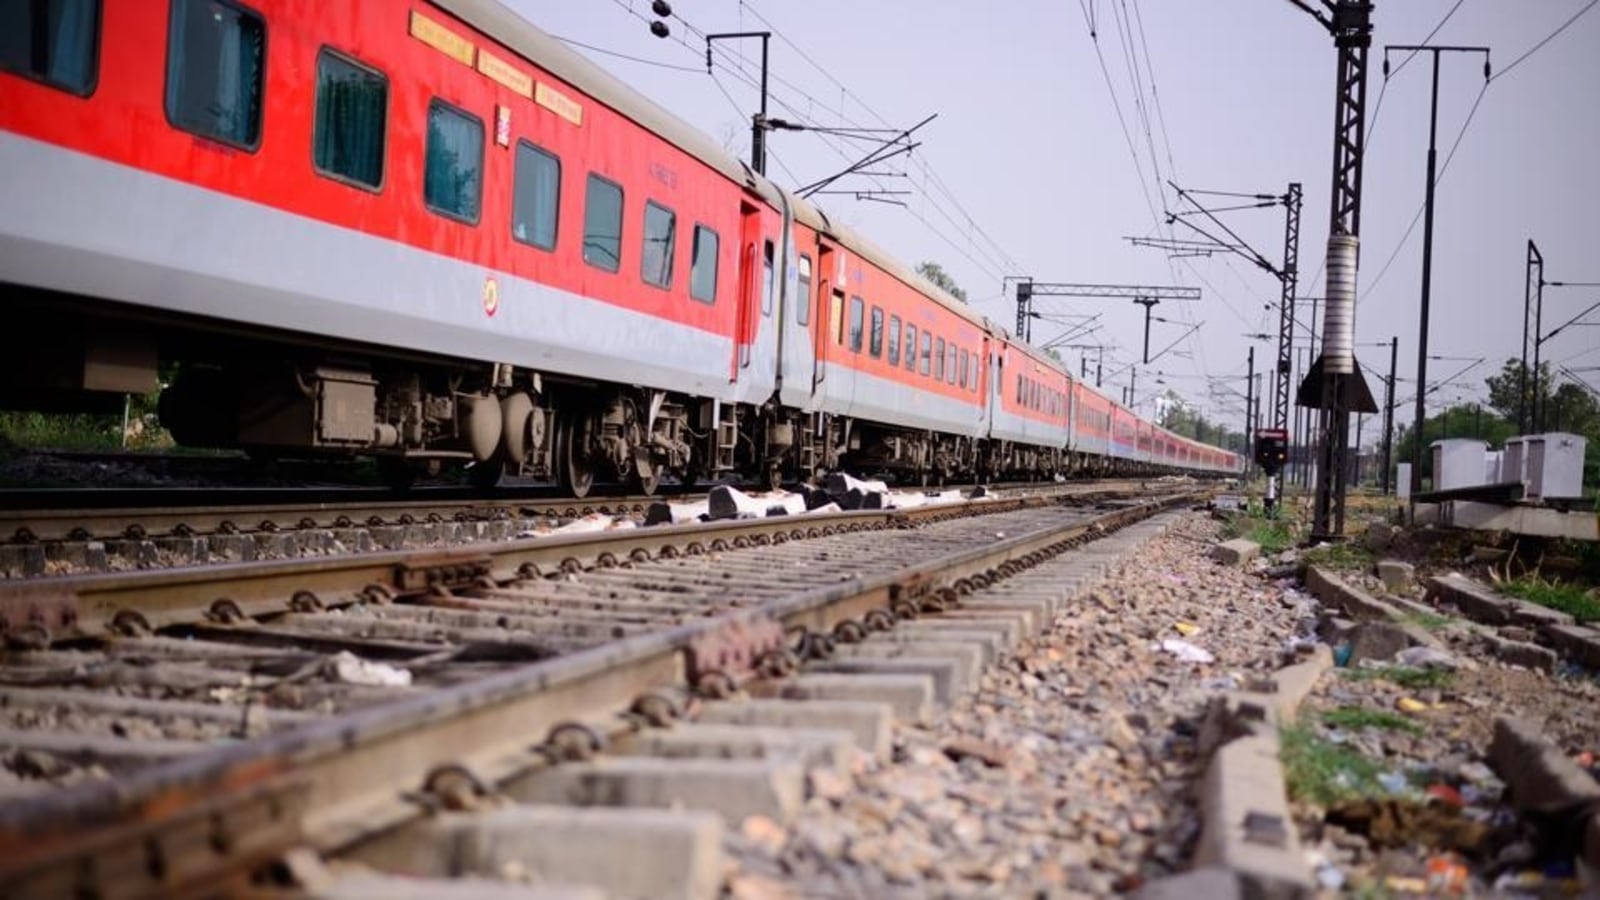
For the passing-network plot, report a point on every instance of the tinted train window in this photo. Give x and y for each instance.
(352, 106)
(927, 352)
(660, 236)
(536, 197)
(802, 306)
(602, 224)
(938, 360)
(216, 65)
(911, 347)
(767, 268)
(54, 41)
(950, 364)
(857, 319)
(875, 345)
(452, 177)
(965, 359)
(894, 340)
(703, 266)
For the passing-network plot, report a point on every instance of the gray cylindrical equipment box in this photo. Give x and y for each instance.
(1491, 466)
(1457, 463)
(1555, 465)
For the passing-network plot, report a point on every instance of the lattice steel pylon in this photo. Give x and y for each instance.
(1335, 385)
(1289, 279)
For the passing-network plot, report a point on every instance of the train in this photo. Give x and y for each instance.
(427, 232)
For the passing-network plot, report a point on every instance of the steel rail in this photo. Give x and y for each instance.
(335, 782)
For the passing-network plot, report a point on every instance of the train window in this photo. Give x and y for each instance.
(858, 313)
(54, 41)
(802, 306)
(836, 313)
(938, 359)
(875, 339)
(216, 61)
(452, 178)
(927, 352)
(351, 124)
(703, 265)
(766, 285)
(950, 364)
(965, 359)
(602, 224)
(1019, 389)
(535, 196)
(894, 340)
(911, 347)
(660, 237)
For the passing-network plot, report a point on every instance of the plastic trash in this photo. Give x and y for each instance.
(1410, 705)
(1394, 782)
(1426, 658)
(1446, 794)
(1186, 651)
(1186, 628)
(1341, 655)
(1446, 876)
(352, 669)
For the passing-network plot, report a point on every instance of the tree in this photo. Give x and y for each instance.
(1506, 387)
(935, 273)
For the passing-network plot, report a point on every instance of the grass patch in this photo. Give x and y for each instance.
(1408, 677)
(1430, 621)
(1569, 598)
(1340, 556)
(1352, 718)
(1272, 535)
(1322, 772)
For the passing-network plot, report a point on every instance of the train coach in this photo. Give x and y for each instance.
(429, 233)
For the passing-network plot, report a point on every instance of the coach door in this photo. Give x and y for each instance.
(744, 328)
(823, 312)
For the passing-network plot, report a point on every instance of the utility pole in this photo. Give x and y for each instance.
(1143, 294)
(1531, 285)
(1388, 416)
(1427, 237)
(1249, 407)
(758, 122)
(1335, 385)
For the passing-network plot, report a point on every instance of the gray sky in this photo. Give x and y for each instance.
(1028, 149)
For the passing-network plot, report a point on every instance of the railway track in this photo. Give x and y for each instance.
(96, 530)
(178, 730)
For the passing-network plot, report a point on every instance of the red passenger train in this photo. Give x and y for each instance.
(429, 233)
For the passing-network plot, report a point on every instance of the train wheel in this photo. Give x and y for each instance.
(646, 484)
(577, 470)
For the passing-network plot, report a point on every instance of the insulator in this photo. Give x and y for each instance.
(1339, 316)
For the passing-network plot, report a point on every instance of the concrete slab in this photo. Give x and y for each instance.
(1236, 552)
(969, 658)
(950, 675)
(1009, 630)
(1579, 643)
(987, 642)
(1026, 621)
(395, 887)
(1247, 826)
(867, 722)
(1540, 778)
(812, 748)
(1577, 525)
(674, 854)
(733, 788)
(1521, 653)
(909, 696)
(1395, 574)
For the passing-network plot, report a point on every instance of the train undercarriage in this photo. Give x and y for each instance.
(289, 396)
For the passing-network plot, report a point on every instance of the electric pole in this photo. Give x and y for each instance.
(1427, 238)
(1334, 385)
(1388, 416)
(1249, 408)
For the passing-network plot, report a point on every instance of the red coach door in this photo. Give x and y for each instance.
(744, 329)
